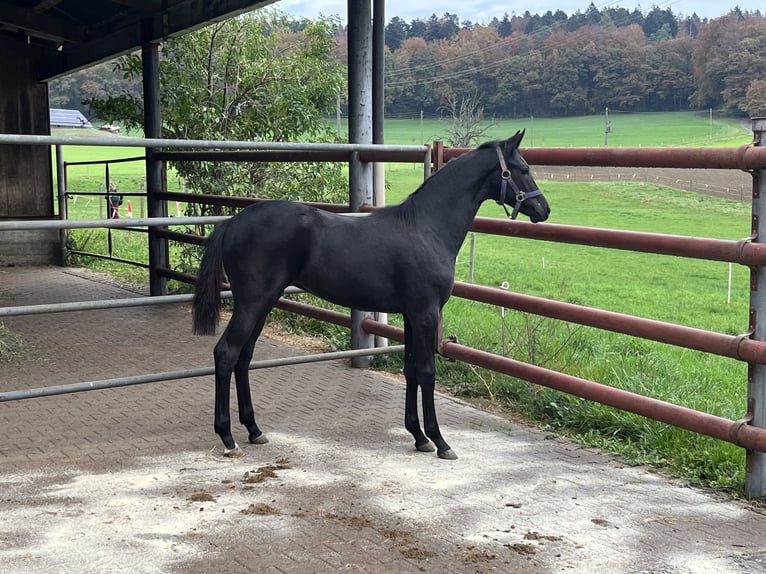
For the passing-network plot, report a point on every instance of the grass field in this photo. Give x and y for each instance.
(688, 292)
(648, 129)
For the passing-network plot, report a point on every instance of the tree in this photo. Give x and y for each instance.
(466, 119)
(249, 78)
(658, 20)
(746, 64)
(504, 28)
(396, 33)
(754, 102)
(418, 29)
(95, 82)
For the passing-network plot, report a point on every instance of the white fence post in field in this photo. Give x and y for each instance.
(755, 481)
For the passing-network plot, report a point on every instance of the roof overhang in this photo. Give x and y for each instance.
(69, 35)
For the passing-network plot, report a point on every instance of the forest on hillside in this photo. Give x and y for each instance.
(546, 65)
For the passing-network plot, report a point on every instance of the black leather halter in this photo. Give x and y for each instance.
(505, 180)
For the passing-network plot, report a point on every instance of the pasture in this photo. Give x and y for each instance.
(678, 290)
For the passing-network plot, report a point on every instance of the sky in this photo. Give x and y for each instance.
(482, 11)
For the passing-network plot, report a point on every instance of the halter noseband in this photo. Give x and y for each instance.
(505, 180)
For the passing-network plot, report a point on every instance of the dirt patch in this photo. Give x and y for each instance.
(265, 472)
(521, 548)
(417, 553)
(262, 509)
(728, 183)
(538, 536)
(201, 496)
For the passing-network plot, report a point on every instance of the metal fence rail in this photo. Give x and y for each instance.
(751, 347)
(188, 373)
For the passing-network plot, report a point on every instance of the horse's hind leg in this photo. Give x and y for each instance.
(227, 353)
(241, 376)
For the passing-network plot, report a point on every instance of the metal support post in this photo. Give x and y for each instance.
(755, 478)
(62, 201)
(378, 114)
(360, 131)
(158, 247)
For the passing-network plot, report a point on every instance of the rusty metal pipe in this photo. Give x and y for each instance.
(743, 251)
(743, 158)
(374, 327)
(736, 347)
(737, 432)
(314, 312)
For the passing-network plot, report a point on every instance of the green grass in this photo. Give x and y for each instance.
(679, 290)
(641, 130)
(684, 291)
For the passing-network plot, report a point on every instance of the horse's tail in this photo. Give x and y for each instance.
(207, 295)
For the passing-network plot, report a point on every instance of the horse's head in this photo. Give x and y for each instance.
(517, 187)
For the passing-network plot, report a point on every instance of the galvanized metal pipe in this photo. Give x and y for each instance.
(107, 223)
(119, 223)
(186, 374)
(21, 310)
(205, 144)
(396, 156)
(140, 301)
(755, 476)
(359, 132)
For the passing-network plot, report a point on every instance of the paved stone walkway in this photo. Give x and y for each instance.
(131, 479)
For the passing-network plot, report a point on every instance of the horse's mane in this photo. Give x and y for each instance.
(406, 210)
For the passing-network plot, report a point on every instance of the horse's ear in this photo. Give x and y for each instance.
(514, 141)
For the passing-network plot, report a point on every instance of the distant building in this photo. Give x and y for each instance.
(68, 119)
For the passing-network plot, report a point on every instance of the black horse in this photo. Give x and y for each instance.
(400, 259)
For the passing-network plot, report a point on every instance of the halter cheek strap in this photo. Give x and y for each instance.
(505, 181)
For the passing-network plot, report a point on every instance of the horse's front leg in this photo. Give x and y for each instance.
(423, 343)
(411, 418)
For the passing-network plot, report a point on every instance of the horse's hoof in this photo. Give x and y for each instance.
(260, 439)
(426, 447)
(448, 454)
(235, 452)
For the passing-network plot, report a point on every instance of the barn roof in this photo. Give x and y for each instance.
(68, 119)
(74, 34)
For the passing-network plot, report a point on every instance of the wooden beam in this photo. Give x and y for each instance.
(178, 18)
(40, 25)
(45, 5)
(148, 6)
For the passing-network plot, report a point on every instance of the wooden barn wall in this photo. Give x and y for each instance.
(26, 179)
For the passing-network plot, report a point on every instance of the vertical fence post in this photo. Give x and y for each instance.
(158, 248)
(359, 131)
(378, 113)
(62, 199)
(755, 478)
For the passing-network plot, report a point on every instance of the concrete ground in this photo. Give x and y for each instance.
(132, 480)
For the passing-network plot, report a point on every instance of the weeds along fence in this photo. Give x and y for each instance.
(749, 432)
